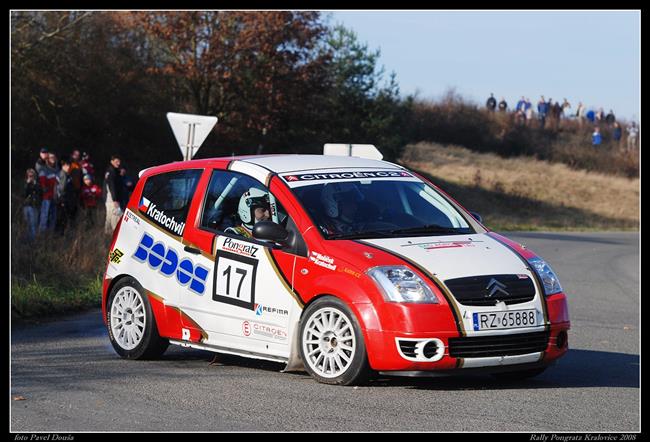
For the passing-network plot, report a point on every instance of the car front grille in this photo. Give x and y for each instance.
(490, 289)
(501, 345)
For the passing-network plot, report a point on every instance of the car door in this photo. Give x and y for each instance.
(248, 306)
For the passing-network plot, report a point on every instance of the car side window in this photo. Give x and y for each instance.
(234, 202)
(166, 198)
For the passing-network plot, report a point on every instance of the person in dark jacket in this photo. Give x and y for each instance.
(42, 160)
(47, 177)
(491, 103)
(503, 105)
(67, 197)
(32, 202)
(113, 191)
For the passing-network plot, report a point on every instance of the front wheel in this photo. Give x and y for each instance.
(132, 326)
(331, 344)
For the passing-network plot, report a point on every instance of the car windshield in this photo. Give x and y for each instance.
(380, 208)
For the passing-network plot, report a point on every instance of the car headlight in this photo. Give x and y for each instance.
(547, 275)
(401, 284)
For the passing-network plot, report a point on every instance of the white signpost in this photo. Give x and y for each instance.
(190, 131)
(353, 150)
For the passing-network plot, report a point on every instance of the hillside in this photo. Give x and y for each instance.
(523, 193)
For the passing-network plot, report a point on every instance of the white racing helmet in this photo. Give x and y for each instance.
(250, 200)
(333, 193)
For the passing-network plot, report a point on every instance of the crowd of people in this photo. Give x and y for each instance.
(549, 114)
(57, 193)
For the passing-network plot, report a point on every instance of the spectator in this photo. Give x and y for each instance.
(528, 108)
(32, 202)
(521, 104)
(610, 118)
(91, 193)
(596, 138)
(76, 172)
(556, 113)
(617, 133)
(86, 166)
(47, 178)
(565, 108)
(42, 160)
(113, 190)
(632, 135)
(503, 106)
(581, 113)
(591, 116)
(600, 115)
(68, 198)
(491, 103)
(129, 185)
(542, 111)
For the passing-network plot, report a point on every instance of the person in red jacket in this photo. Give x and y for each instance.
(91, 194)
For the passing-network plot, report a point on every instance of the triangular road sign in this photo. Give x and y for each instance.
(190, 131)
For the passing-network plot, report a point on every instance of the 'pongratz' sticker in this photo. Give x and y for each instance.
(346, 175)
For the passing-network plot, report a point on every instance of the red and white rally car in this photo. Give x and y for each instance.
(344, 266)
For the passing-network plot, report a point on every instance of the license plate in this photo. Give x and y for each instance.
(505, 319)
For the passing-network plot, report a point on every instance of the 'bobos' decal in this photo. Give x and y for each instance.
(165, 260)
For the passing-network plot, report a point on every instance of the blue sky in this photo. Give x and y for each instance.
(588, 56)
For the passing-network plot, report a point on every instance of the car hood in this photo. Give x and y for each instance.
(455, 256)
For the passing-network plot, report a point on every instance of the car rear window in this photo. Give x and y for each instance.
(166, 198)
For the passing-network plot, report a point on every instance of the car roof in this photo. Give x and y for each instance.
(301, 162)
(278, 163)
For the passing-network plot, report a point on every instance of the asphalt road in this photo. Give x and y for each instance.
(72, 380)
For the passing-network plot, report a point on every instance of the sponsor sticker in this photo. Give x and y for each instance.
(165, 260)
(240, 248)
(322, 260)
(115, 256)
(346, 175)
(246, 328)
(261, 310)
(434, 245)
(350, 272)
(169, 223)
(130, 216)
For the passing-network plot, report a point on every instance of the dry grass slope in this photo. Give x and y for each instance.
(525, 193)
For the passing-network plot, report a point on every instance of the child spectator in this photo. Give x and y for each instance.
(32, 202)
(91, 194)
(47, 178)
(86, 166)
(596, 138)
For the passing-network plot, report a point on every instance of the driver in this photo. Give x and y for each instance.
(340, 201)
(254, 206)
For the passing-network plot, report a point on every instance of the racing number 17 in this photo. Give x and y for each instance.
(239, 271)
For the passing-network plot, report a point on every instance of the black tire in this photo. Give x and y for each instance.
(519, 375)
(151, 345)
(358, 370)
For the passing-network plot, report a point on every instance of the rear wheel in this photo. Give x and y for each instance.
(132, 326)
(331, 344)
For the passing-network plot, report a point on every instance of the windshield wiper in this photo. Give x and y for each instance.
(430, 228)
(362, 235)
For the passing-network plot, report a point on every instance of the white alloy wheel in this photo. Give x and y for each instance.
(328, 342)
(128, 318)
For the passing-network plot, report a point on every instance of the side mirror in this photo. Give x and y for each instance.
(477, 217)
(268, 230)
